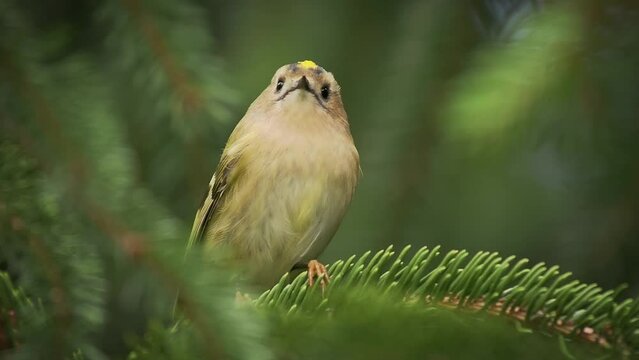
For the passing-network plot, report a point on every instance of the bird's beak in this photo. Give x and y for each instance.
(302, 84)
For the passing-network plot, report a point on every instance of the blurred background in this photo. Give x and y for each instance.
(496, 125)
(482, 125)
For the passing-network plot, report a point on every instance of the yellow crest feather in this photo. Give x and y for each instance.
(307, 64)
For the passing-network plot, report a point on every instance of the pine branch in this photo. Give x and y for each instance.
(167, 80)
(163, 60)
(80, 150)
(12, 301)
(53, 273)
(537, 296)
(188, 92)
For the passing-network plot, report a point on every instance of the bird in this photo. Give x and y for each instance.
(285, 179)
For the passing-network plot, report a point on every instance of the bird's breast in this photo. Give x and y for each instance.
(295, 178)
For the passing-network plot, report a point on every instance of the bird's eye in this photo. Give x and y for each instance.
(325, 92)
(280, 84)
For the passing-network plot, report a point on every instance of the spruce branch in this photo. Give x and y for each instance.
(53, 273)
(12, 301)
(167, 80)
(539, 296)
(187, 91)
(137, 247)
(164, 60)
(134, 245)
(85, 172)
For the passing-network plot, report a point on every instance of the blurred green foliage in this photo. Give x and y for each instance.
(426, 334)
(495, 125)
(492, 125)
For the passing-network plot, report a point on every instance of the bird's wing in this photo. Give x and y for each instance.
(218, 186)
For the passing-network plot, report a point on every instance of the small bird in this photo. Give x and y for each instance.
(285, 178)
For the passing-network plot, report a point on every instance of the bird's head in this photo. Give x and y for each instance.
(304, 84)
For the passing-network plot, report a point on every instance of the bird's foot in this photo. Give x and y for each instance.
(315, 268)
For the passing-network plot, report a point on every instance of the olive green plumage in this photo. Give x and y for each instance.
(285, 178)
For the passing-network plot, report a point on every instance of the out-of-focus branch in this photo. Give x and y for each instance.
(188, 92)
(132, 244)
(135, 246)
(52, 272)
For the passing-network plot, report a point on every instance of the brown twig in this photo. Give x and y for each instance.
(135, 246)
(187, 91)
(520, 314)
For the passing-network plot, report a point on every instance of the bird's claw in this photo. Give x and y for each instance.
(315, 268)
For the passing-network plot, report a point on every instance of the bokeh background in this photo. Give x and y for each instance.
(484, 125)
(495, 125)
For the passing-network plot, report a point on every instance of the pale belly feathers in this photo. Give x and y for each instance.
(295, 190)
